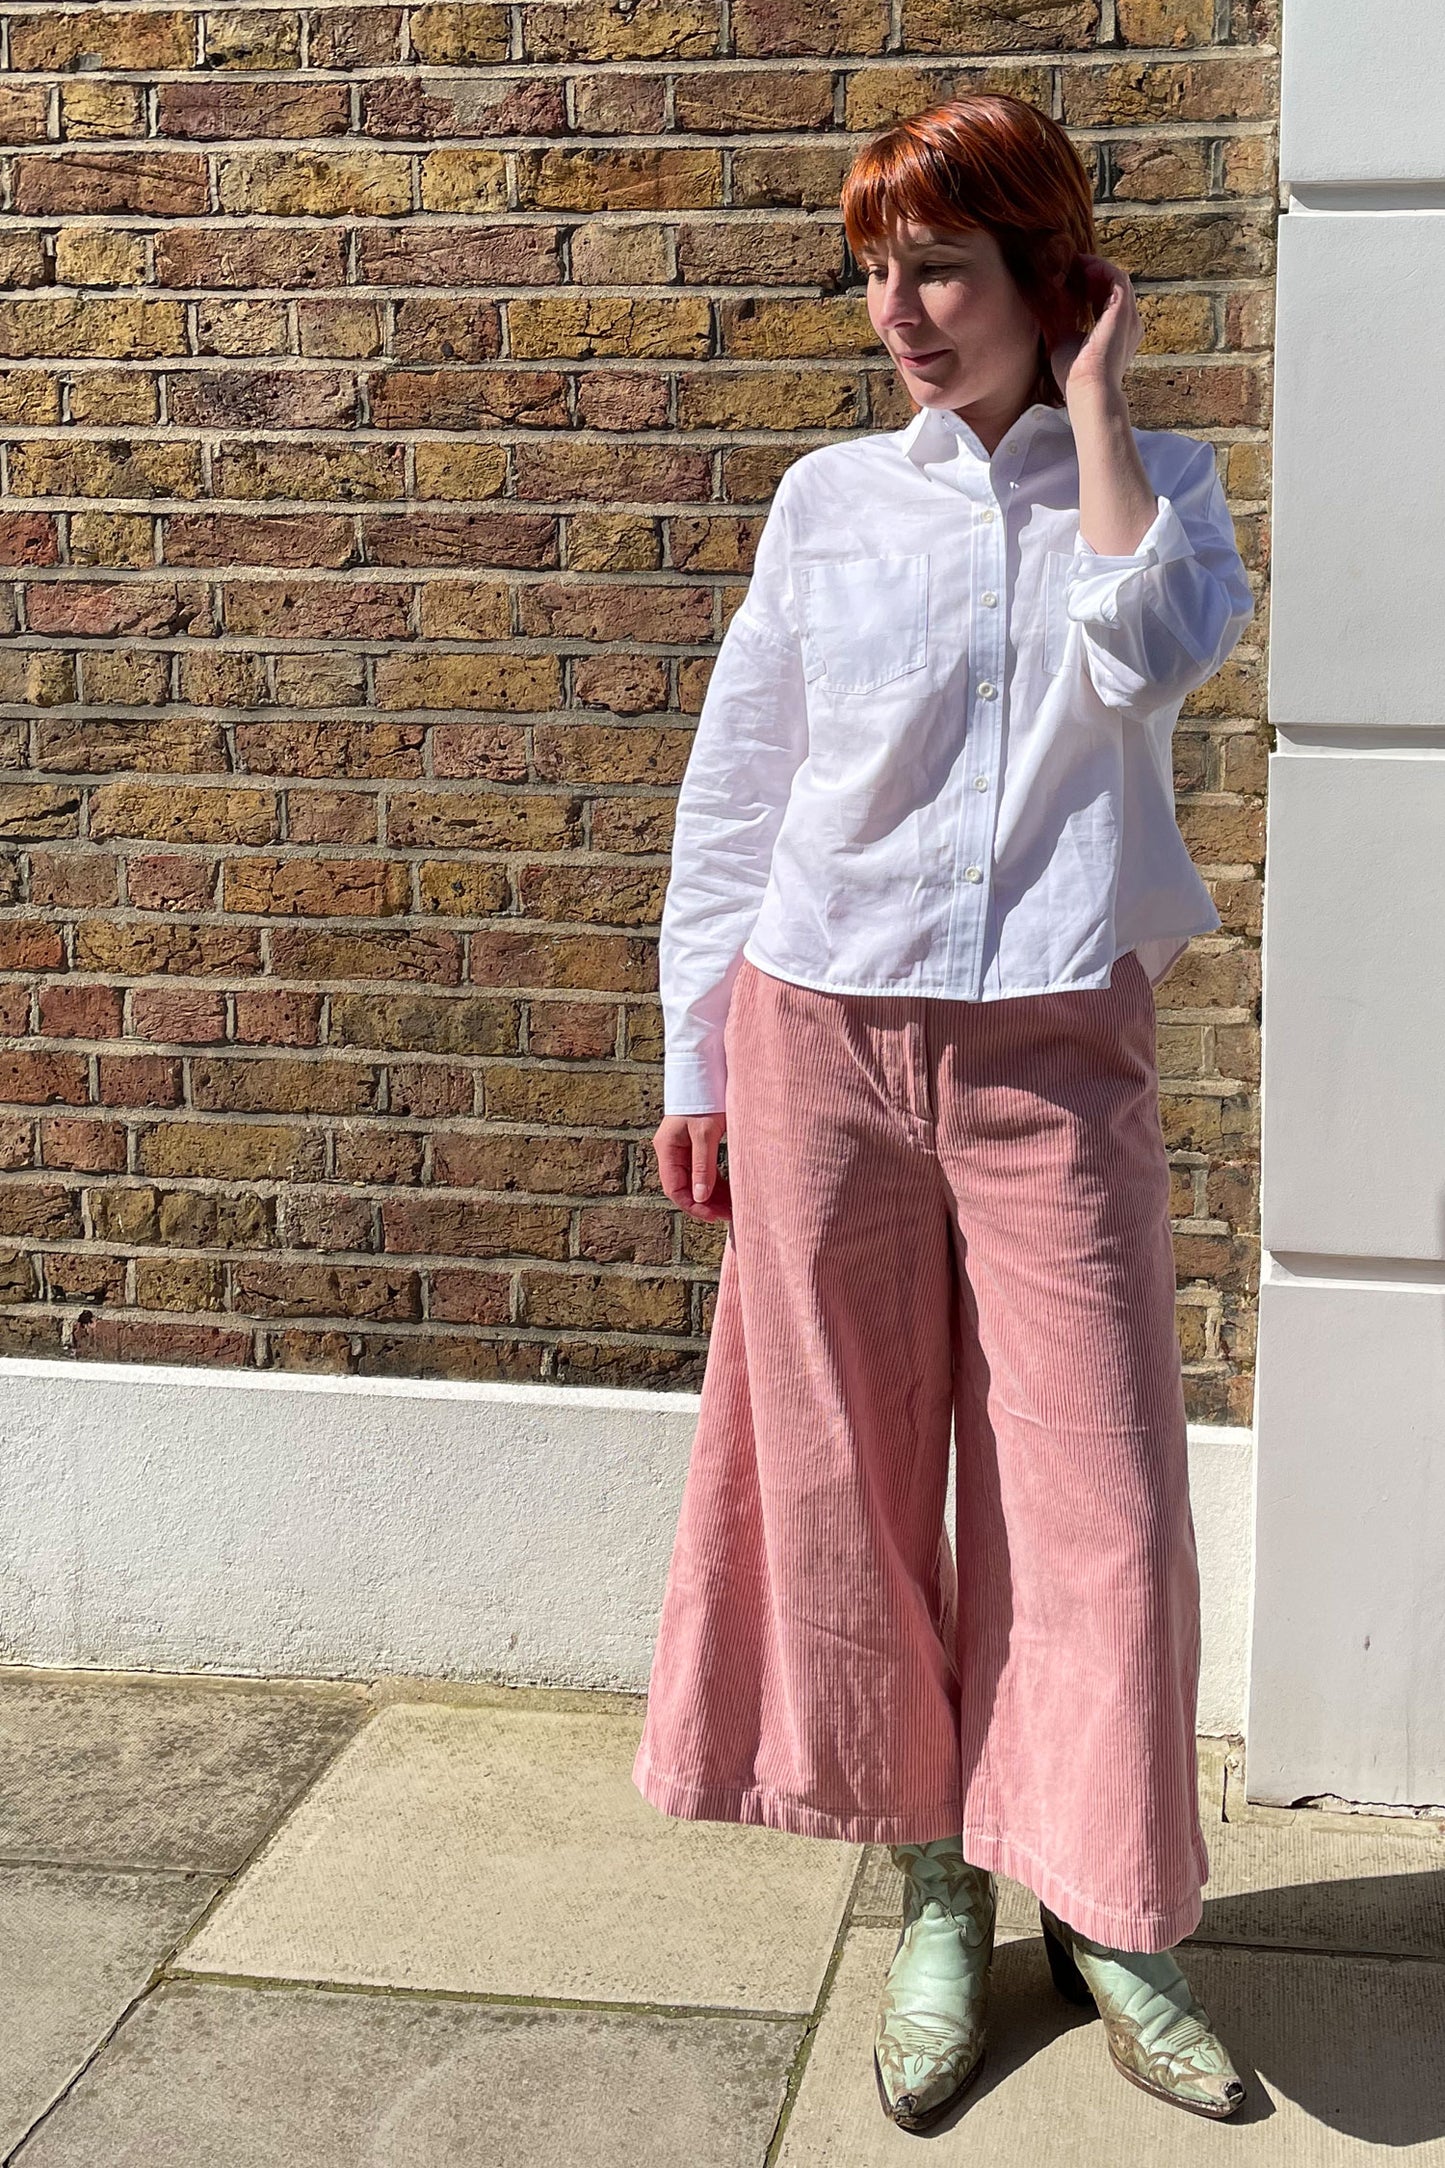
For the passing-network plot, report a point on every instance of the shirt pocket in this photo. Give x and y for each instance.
(863, 620)
(1056, 609)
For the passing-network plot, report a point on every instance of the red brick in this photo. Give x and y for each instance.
(80, 1012)
(143, 1340)
(171, 884)
(177, 1015)
(140, 1080)
(88, 1147)
(31, 1078)
(164, 184)
(270, 1018)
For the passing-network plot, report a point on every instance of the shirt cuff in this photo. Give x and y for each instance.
(694, 1083)
(1095, 581)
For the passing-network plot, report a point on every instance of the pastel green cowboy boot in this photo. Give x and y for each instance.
(1158, 2031)
(929, 2039)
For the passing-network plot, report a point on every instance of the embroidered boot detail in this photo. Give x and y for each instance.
(929, 2039)
(1158, 2031)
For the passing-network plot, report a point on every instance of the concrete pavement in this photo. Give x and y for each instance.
(244, 1923)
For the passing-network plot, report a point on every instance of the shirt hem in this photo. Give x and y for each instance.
(948, 993)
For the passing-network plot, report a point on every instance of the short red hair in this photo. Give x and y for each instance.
(992, 160)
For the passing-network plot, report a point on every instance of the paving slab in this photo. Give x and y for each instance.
(508, 1852)
(1298, 1885)
(76, 1948)
(1341, 2058)
(146, 1772)
(235, 2077)
(1315, 1878)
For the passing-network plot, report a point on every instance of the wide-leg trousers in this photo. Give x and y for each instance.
(946, 1216)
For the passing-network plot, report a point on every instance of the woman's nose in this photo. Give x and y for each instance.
(898, 305)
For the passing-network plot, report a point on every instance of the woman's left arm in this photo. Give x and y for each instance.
(1157, 583)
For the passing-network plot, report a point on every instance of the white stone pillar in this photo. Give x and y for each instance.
(1347, 1683)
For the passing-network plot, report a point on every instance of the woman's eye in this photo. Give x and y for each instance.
(928, 270)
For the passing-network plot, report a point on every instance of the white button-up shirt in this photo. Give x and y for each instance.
(935, 752)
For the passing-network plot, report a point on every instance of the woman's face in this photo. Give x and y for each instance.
(945, 305)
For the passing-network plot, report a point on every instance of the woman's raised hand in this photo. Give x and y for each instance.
(1098, 362)
(686, 1147)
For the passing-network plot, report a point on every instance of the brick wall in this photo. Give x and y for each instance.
(391, 400)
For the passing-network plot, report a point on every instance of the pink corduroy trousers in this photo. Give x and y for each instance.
(945, 1214)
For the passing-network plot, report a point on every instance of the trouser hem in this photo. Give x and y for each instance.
(1118, 1927)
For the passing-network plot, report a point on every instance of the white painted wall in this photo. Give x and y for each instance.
(195, 1520)
(1349, 1605)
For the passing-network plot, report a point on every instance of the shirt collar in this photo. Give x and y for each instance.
(938, 433)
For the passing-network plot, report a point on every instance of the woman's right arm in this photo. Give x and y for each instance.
(750, 740)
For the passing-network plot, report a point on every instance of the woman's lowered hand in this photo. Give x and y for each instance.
(686, 1147)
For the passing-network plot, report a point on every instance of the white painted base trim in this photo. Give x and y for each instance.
(160, 1519)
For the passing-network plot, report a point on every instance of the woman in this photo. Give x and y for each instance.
(926, 876)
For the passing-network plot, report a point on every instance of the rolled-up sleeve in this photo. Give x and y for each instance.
(1161, 620)
(751, 738)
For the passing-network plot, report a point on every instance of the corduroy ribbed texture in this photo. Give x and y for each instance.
(945, 1211)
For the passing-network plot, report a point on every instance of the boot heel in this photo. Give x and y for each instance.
(1067, 1977)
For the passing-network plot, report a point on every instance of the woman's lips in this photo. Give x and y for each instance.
(919, 361)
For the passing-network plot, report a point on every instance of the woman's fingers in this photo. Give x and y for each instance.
(687, 1154)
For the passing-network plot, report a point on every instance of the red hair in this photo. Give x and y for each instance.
(992, 160)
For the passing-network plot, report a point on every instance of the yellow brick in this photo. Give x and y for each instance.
(876, 97)
(463, 471)
(476, 610)
(612, 542)
(112, 538)
(140, 469)
(183, 816)
(42, 678)
(319, 184)
(461, 36)
(126, 397)
(94, 256)
(1166, 22)
(566, 324)
(464, 180)
(252, 38)
(102, 38)
(782, 330)
(340, 329)
(563, 179)
(241, 327)
(607, 254)
(29, 395)
(769, 399)
(352, 473)
(65, 326)
(505, 682)
(125, 677)
(1176, 323)
(91, 110)
(595, 30)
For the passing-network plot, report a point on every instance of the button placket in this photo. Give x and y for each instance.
(976, 817)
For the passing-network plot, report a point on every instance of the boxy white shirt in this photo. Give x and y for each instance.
(935, 752)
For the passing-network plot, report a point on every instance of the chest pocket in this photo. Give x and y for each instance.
(863, 620)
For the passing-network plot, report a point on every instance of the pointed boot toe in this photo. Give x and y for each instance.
(1159, 2034)
(928, 2042)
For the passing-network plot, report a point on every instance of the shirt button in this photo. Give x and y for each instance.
(973, 873)
(1012, 445)
(987, 691)
(989, 599)
(987, 512)
(980, 782)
